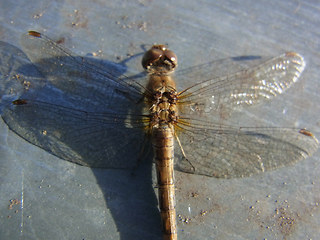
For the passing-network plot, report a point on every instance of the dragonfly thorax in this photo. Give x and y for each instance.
(162, 98)
(163, 110)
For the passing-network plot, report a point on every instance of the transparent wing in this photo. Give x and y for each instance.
(222, 95)
(214, 149)
(70, 107)
(87, 138)
(64, 69)
(217, 68)
(228, 152)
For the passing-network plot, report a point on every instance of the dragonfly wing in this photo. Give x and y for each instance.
(82, 117)
(89, 139)
(230, 152)
(66, 71)
(217, 68)
(215, 149)
(222, 95)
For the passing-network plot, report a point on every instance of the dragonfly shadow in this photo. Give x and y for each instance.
(77, 109)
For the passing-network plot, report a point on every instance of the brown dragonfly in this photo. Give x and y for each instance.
(81, 112)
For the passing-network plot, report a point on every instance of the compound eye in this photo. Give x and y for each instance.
(172, 57)
(151, 56)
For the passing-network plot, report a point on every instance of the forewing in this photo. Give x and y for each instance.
(187, 77)
(66, 71)
(218, 97)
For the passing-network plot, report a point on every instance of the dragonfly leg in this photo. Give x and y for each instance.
(183, 153)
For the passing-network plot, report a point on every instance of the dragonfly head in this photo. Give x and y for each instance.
(159, 59)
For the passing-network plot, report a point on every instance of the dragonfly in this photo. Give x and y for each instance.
(81, 112)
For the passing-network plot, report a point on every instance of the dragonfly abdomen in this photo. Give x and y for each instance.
(163, 146)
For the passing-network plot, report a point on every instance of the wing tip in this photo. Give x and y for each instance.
(309, 134)
(20, 102)
(297, 59)
(34, 34)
